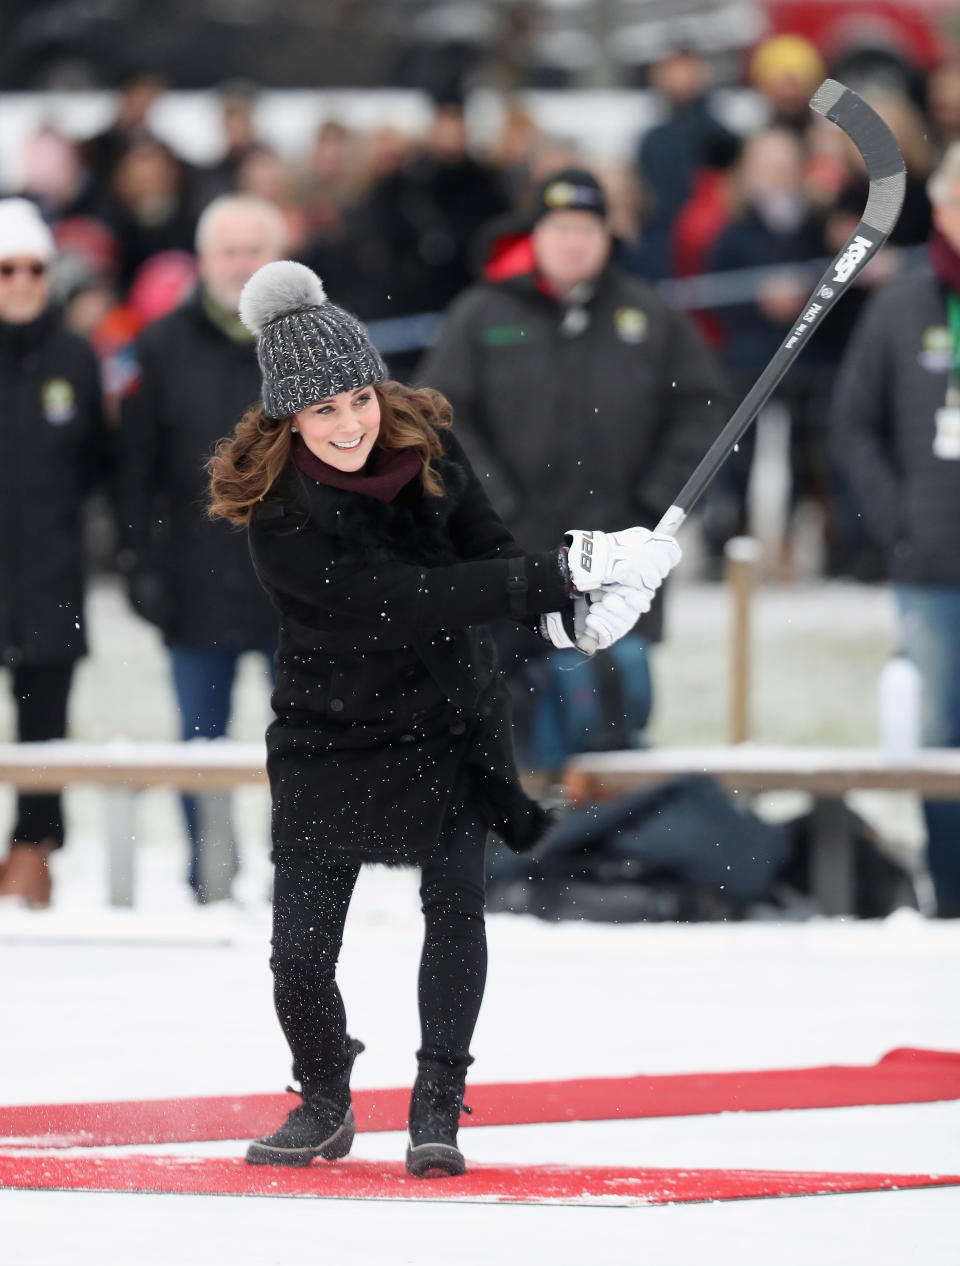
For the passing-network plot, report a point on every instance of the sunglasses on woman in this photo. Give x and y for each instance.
(33, 269)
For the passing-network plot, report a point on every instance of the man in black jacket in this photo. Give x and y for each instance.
(897, 432)
(189, 576)
(579, 395)
(51, 447)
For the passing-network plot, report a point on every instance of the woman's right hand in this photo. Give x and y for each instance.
(635, 557)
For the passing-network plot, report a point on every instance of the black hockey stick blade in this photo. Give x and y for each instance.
(886, 172)
(887, 175)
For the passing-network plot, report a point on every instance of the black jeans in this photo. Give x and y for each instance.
(310, 903)
(41, 692)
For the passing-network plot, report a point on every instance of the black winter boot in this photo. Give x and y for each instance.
(322, 1125)
(435, 1107)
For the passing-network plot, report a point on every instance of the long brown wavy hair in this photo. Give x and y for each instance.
(246, 464)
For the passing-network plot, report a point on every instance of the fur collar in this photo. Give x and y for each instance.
(412, 528)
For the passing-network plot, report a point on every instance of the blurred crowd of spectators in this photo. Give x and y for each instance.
(147, 254)
(394, 224)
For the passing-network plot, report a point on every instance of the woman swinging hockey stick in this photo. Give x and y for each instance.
(391, 743)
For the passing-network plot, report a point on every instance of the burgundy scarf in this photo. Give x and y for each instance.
(944, 260)
(387, 470)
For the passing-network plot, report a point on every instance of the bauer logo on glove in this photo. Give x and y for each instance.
(635, 557)
(586, 550)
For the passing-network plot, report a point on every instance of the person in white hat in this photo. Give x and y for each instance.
(51, 448)
(27, 250)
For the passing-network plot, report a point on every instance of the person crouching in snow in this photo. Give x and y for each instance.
(391, 741)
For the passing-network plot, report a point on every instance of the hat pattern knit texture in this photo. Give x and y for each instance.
(307, 347)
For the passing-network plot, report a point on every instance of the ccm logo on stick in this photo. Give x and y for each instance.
(851, 258)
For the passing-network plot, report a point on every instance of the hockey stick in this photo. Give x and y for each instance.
(887, 176)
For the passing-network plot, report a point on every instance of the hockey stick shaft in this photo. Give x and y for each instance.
(887, 175)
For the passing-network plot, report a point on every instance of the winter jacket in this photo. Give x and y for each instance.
(389, 707)
(892, 381)
(595, 422)
(190, 576)
(51, 453)
(669, 157)
(750, 336)
(405, 247)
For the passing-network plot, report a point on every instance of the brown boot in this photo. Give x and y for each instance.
(26, 874)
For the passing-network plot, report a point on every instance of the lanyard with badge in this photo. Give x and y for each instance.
(946, 438)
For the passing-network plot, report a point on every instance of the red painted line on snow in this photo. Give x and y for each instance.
(901, 1076)
(382, 1180)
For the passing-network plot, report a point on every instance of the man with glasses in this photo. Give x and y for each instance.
(51, 448)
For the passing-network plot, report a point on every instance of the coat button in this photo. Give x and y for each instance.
(336, 705)
(458, 727)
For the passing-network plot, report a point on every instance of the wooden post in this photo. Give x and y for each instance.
(742, 559)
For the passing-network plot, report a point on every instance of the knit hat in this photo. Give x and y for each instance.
(783, 56)
(572, 190)
(24, 232)
(308, 348)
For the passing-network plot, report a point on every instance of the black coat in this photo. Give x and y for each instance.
(51, 453)
(751, 336)
(598, 428)
(406, 245)
(189, 576)
(890, 386)
(389, 706)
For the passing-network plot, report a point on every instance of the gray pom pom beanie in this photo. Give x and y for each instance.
(308, 348)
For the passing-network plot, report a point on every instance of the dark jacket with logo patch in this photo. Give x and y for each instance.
(189, 576)
(592, 422)
(51, 453)
(389, 705)
(892, 382)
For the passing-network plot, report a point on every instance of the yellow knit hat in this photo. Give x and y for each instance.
(783, 55)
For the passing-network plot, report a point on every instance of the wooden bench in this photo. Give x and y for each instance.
(828, 774)
(123, 769)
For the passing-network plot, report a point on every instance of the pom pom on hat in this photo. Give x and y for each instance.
(276, 290)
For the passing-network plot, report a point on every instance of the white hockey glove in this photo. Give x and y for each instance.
(635, 557)
(614, 613)
(563, 628)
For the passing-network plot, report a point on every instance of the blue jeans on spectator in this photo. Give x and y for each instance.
(565, 704)
(930, 636)
(203, 678)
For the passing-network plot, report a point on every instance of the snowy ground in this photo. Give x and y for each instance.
(174, 1000)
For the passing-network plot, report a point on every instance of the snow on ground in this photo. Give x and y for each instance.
(175, 1000)
(170, 999)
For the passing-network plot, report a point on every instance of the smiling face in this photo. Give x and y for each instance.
(341, 430)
